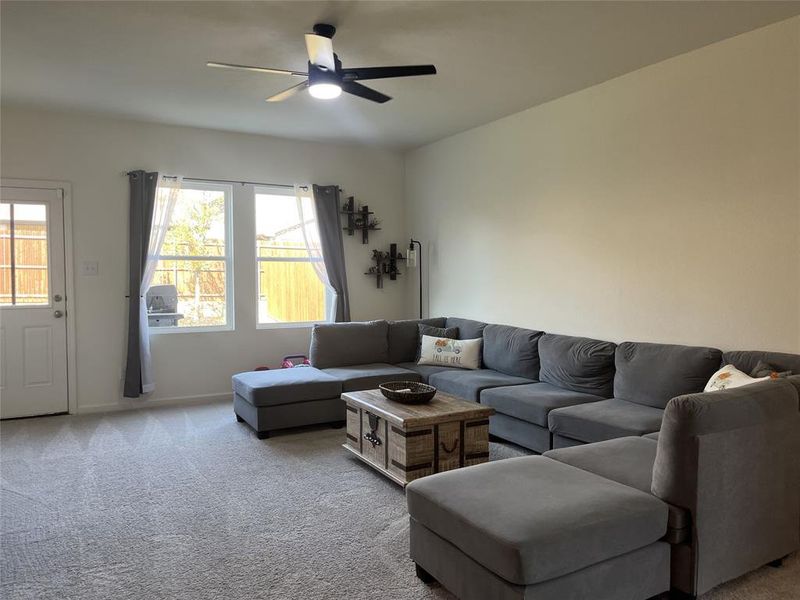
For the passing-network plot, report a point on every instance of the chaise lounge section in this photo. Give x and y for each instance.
(550, 531)
(344, 356)
(532, 527)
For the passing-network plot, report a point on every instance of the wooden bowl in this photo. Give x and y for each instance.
(408, 392)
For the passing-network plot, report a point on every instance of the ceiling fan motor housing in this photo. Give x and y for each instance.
(325, 30)
(319, 74)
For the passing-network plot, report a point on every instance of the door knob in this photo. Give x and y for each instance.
(58, 314)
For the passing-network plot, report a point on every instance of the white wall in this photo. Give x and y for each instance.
(93, 153)
(663, 205)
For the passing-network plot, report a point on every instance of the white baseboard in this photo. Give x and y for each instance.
(136, 404)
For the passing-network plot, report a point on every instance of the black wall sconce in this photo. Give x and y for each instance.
(411, 262)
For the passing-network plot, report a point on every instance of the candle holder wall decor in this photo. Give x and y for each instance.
(359, 219)
(385, 264)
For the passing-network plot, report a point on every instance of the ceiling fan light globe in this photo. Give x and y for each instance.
(325, 91)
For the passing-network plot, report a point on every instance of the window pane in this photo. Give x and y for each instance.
(289, 292)
(278, 228)
(5, 253)
(200, 289)
(197, 227)
(30, 254)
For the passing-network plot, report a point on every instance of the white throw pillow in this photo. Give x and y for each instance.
(444, 352)
(730, 377)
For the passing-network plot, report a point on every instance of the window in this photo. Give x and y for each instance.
(291, 273)
(23, 254)
(194, 271)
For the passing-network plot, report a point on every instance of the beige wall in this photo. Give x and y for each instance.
(663, 205)
(93, 153)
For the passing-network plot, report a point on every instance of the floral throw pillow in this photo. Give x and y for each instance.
(442, 332)
(764, 369)
(730, 377)
(446, 352)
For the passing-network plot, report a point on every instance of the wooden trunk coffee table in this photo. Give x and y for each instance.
(406, 442)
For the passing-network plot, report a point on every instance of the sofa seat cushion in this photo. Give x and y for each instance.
(534, 401)
(425, 371)
(627, 460)
(285, 386)
(470, 384)
(370, 376)
(532, 519)
(605, 420)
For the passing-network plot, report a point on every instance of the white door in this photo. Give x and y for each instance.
(33, 329)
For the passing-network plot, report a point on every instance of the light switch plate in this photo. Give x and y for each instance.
(90, 268)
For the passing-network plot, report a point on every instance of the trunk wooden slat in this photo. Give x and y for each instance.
(406, 442)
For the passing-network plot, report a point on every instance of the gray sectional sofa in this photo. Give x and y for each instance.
(548, 390)
(646, 484)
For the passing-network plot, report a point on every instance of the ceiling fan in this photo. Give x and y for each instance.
(326, 78)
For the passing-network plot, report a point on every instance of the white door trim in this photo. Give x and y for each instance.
(66, 188)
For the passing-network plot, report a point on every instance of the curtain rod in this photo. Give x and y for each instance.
(277, 185)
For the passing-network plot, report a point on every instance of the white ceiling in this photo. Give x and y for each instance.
(146, 60)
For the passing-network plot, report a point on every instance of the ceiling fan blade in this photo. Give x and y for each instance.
(320, 51)
(220, 65)
(361, 73)
(280, 96)
(362, 91)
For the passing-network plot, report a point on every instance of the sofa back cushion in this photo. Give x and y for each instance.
(653, 374)
(795, 381)
(467, 328)
(746, 360)
(578, 364)
(404, 338)
(511, 350)
(345, 344)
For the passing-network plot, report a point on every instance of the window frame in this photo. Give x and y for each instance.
(329, 294)
(230, 313)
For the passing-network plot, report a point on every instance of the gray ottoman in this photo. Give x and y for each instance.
(270, 400)
(534, 528)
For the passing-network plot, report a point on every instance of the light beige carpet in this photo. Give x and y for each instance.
(185, 503)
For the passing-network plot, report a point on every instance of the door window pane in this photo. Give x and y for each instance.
(30, 254)
(24, 277)
(5, 254)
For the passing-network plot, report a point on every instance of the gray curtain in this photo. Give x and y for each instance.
(142, 200)
(328, 207)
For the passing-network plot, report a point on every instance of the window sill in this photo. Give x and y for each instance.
(300, 325)
(170, 330)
